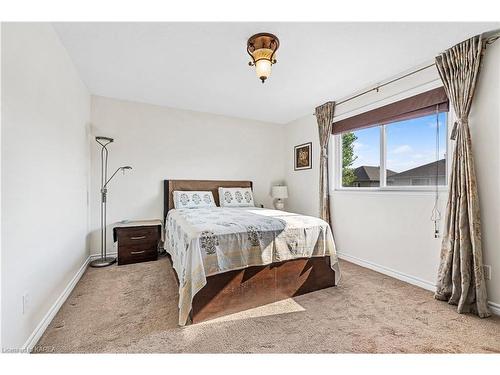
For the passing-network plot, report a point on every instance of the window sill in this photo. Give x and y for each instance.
(392, 190)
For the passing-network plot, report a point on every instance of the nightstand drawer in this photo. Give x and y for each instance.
(136, 236)
(134, 254)
(130, 251)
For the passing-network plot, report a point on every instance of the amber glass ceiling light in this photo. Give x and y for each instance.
(262, 49)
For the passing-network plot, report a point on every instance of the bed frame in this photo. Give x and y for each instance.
(239, 290)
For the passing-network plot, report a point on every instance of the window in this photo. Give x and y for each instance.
(411, 152)
(406, 149)
(361, 158)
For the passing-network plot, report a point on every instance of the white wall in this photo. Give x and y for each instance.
(303, 185)
(45, 159)
(392, 231)
(163, 143)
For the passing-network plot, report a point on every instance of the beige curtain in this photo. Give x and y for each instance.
(324, 117)
(460, 276)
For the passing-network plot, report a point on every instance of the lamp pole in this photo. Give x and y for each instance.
(104, 260)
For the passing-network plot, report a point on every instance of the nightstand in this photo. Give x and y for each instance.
(137, 241)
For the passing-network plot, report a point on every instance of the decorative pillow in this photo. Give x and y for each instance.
(193, 199)
(236, 197)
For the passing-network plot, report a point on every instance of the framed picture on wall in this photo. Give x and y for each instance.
(302, 156)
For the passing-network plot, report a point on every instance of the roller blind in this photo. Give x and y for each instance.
(416, 106)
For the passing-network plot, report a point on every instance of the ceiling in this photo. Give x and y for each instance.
(204, 66)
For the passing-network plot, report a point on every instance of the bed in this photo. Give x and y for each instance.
(231, 259)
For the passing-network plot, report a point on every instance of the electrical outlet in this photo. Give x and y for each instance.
(487, 272)
(26, 300)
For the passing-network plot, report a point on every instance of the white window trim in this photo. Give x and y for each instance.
(337, 165)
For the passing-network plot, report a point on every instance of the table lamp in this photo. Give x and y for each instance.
(279, 193)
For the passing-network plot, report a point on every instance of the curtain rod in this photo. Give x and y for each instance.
(376, 88)
(491, 38)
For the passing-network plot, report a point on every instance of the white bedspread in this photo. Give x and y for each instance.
(207, 241)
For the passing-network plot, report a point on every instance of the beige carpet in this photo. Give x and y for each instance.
(133, 309)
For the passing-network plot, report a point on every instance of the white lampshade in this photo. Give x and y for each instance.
(279, 192)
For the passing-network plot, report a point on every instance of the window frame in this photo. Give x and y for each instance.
(337, 164)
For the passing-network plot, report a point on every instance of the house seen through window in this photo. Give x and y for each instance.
(411, 154)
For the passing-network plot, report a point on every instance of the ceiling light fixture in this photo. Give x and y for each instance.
(262, 49)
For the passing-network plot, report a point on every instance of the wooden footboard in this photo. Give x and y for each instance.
(239, 290)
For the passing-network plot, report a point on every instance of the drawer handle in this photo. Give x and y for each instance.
(138, 238)
(137, 252)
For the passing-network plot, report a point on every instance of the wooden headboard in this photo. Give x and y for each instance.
(192, 185)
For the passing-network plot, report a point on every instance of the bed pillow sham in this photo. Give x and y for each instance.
(193, 199)
(236, 197)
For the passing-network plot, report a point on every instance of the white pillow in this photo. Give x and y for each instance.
(236, 197)
(193, 199)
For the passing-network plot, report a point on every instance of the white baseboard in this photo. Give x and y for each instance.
(389, 272)
(494, 307)
(44, 323)
(95, 256)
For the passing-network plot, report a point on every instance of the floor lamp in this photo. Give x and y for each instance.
(104, 260)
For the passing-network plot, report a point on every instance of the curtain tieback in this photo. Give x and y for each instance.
(461, 120)
(324, 152)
